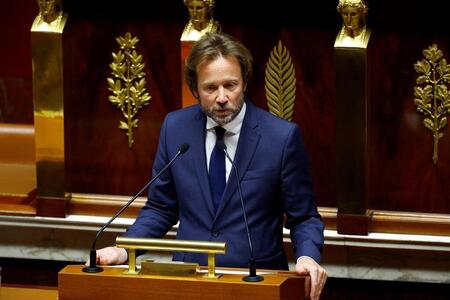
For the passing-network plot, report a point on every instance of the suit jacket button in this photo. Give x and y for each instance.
(215, 233)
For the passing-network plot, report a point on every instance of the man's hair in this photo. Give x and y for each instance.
(212, 46)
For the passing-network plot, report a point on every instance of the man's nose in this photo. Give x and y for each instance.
(221, 95)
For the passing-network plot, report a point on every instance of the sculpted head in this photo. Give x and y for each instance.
(354, 13)
(49, 9)
(200, 12)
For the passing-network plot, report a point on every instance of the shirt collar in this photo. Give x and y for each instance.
(234, 126)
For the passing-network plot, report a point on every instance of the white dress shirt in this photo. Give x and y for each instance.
(231, 138)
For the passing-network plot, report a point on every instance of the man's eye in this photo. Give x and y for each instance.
(231, 85)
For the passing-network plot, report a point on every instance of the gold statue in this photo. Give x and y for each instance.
(200, 19)
(354, 32)
(51, 17)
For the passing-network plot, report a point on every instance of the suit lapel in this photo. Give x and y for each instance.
(248, 141)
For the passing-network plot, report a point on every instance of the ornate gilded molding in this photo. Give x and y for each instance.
(280, 82)
(433, 100)
(127, 68)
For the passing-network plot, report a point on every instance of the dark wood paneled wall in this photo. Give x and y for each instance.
(92, 121)
(401, 173)
(99, 158)
(16, 102)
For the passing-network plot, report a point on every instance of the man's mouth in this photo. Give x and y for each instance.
(222, 112)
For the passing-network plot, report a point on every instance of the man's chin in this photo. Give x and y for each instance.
(221, 116)
(221, 120)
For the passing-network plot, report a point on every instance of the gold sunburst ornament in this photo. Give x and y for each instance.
(280, 82)
(128, 86)
(433, 99)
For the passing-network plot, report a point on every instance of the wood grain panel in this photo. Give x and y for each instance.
(16, 100)
(99, 159)
(402, 174)
(314, 109)
(112, 283)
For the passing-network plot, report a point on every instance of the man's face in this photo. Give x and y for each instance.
(352, 20)
(220, 88)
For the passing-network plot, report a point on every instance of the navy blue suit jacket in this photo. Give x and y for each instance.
(273, 165)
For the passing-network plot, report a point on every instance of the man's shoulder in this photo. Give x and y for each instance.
(184, 113)
(266, 118)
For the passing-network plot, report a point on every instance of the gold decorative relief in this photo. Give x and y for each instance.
(354, 33)
(128, 83)
(201, 19)
(280, 82)
(432, 95)
(51, 17)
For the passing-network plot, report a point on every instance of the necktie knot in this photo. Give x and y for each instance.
(220, 132)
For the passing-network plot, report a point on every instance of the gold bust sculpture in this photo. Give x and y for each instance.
(51, 17)
(200, 19)
(354, 31)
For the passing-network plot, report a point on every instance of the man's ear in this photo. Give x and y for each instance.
(195, 94)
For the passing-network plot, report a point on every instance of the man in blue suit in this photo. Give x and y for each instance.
(200, 189)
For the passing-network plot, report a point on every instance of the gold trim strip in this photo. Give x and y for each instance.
(411, 216)
(102, 199)
(170, 245)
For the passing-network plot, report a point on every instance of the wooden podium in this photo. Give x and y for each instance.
(113, 284)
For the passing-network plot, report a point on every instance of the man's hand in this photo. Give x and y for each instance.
(111, 256)
(307, 266)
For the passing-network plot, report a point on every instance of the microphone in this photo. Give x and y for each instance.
(93, 268)
(252, 277)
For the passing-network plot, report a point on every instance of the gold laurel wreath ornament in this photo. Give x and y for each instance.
(128, 86)
(433, 100)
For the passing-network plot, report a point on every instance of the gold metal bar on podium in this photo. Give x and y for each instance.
(132, 262)
(211, 266)
(211, 248)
